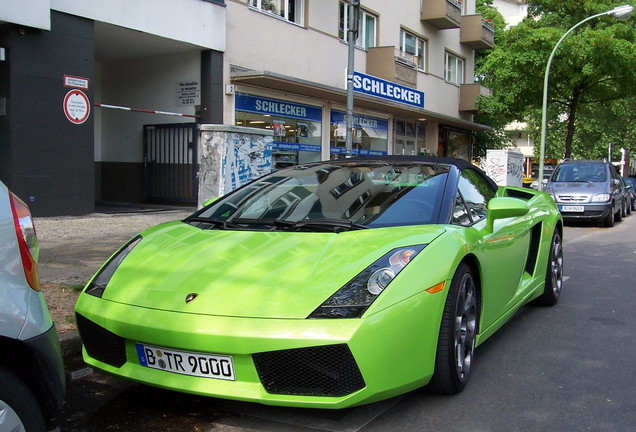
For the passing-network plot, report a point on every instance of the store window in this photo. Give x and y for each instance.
(454, 143)
(409, 138)
(296, 127)
(454, 70)
(414, 48)
(290, 10)
(370, 135)
(367, 24)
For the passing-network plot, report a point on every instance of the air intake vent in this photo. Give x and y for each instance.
(316, 371)
(101, 344)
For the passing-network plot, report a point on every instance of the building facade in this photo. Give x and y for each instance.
(101, 101)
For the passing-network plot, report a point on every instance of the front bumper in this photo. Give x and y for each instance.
(594, 211)
(383, 355)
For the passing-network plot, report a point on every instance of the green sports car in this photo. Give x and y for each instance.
(326, 285)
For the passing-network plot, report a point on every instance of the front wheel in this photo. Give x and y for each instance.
(609, 219)
(457, 334)
(554, 273)
(21, 411)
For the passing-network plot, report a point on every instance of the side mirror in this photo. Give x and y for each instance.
(544, 181)
(504, 207)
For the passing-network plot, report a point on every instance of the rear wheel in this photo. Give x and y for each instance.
(21, 411)
(457, 334)
(554, 273)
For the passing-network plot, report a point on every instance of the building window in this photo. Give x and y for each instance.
(367, 24)
(413, 48)
(290, 10)
(454, 72)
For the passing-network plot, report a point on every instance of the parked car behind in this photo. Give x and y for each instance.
(631, 184)
(588, 190)
(32, 382)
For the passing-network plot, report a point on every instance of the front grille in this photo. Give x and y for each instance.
(101, 344)
(327, 370)
(573, 198)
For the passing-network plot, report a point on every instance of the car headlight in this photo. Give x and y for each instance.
(355, 297)
(601, 198)
(97, 285)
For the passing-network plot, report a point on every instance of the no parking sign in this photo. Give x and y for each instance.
(77, 107)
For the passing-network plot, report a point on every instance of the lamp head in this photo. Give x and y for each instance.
(622, 12)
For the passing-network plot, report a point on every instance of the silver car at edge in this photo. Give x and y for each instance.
(587, 190)
(32, 381)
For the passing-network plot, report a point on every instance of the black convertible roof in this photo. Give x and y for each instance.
(461, 164)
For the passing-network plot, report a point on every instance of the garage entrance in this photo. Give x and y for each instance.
(170, 163)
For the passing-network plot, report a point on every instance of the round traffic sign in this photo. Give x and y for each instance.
(77, 108)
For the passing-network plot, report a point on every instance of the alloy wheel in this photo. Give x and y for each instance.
(556, 265)
(465, 326)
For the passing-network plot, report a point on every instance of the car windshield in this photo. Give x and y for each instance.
(583, 172)
(341, 195)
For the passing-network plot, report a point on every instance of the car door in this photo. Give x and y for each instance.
(502, 253)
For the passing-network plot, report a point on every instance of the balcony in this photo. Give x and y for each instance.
(442, 14)
(468, 94)
(476, 32)
(391, 64)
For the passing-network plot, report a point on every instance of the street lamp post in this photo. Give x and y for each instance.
(619, 12)
(352, 34)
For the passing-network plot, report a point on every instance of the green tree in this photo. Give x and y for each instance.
(592, 70)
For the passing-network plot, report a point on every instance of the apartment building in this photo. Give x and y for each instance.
(101, 101)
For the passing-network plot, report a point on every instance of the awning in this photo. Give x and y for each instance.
(284, 83)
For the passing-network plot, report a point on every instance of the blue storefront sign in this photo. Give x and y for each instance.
(277, 145)
(275, 107)
(374, 86)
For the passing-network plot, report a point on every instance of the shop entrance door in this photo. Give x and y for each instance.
(171, 163)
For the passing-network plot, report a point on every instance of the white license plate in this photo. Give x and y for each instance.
(186, 363)
(573, 209)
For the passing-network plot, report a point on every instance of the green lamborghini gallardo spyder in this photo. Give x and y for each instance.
(326, 285)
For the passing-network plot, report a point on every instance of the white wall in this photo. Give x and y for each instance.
(31, 13)
(512, 11)
(145, 83)
(194, 21)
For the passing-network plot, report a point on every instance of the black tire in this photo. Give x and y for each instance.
(553, 273)
(619, 213)
(457, 334)
(22, 409)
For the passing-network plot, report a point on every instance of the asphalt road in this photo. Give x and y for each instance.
(564, 368)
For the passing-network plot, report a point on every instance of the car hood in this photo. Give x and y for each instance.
(582, 188)
(249, 273)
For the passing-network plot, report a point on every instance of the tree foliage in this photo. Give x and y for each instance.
(591, 81)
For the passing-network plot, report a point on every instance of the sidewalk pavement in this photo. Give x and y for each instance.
(72, 248)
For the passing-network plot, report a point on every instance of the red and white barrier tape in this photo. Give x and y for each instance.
(144, 110)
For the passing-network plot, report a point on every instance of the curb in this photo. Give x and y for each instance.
(71, 344)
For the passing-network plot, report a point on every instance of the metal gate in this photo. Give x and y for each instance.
(171, 163)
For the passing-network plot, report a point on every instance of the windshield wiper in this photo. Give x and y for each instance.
(217, 223)
(335, 225)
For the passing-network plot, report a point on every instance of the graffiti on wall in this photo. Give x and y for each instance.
(246, 158)
(505, 170)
